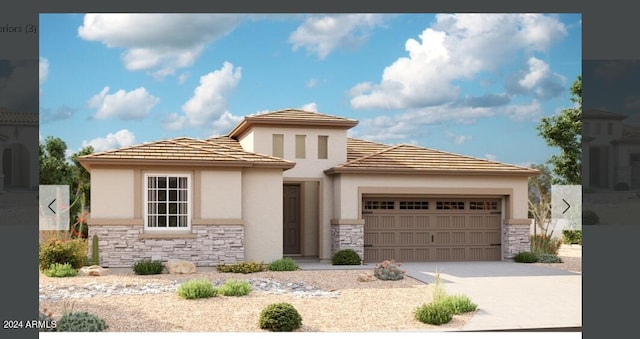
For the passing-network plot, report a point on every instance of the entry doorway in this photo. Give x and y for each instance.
(291, 219)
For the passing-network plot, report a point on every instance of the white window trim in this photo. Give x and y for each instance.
(189, 204)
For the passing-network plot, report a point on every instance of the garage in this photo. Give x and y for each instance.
(410, 229)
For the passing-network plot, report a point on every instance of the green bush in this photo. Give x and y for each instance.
(80, 322)
(572, 237)
(621, 186)
(590, 217)
(147, 267)
(242, 267)
(525, 257)
(346, 257)
(434, 314)
(284, 264)
(61, 270)
(541, 244)
(389, 270)
(457, 304)
(196, 289)
(280, 317)
(235, 288)
(549, 259)
(60, 251)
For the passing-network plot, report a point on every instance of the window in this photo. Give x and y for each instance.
(300, 146)
(378, 205)
(450, 205)
(414, 205)
(323, 152)
(483, 205)
(278, 145)
(167, 202)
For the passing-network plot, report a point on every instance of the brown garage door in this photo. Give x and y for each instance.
(431, 229)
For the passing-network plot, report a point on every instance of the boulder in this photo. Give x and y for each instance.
(364, 277)
(176, 266)
(93, 270)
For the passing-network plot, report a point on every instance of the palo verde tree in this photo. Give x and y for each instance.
(564, 131)
(540, 197)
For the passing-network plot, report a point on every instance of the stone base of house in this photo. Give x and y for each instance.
(206, 245)
(348, 236)
(515, 235)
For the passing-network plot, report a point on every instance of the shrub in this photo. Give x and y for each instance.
(346, 257)
(280, 317)
(572, 236)
(147, 266)
(457, 304)
(61, 251)
(61, 270)
(235, 288)
(590, 217)
(389, 270)
(621, 186)
(80, 322)
(242, 267)
(434, 314)
(549, 259)
(545, 244)
(196, 289)
(525, 257)
(284, 264)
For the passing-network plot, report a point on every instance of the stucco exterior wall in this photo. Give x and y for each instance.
(22, 156)
(221, 194)
(262, 213)
(112, 193)
(349, 199)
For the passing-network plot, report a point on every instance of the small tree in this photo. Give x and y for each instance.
(540, 201)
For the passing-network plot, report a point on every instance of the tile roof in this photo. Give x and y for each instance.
(600, 114)
(8, 116)
(292, 117)
(405, 158)
(187, 151)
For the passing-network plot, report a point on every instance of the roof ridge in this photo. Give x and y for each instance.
(369, 141)
(466, 156)
(372, 154)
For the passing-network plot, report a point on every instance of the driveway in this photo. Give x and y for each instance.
(510, 295)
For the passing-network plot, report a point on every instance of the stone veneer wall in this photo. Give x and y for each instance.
(515, 239)
(121, 246)
(347, 237)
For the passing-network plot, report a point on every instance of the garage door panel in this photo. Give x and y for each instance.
(455, 232)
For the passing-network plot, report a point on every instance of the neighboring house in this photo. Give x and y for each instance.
(18, 150)
(292, 183)
(610, 151)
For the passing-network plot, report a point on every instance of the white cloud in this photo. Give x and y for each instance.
(225, 123)
(132, 105)
(455, 48)
(121, 138)
(158, 43)
(183, 77)
(321, 34)
(458, 139)
(491, 157)
(311, 107)
(208, 104)
(538, 80)
(43, 70)
(312, 83)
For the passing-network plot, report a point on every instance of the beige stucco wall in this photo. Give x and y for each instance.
(262, 213)
(221, 194)
(112, 193)
(247, 142)
(310, 166)
(349, 199)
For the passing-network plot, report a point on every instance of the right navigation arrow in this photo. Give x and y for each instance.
(568, 206)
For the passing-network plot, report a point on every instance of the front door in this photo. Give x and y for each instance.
(291, 219)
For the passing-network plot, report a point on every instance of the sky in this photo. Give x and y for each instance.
(613, 86)
(472, 84)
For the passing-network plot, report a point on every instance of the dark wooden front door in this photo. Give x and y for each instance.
(291, 219)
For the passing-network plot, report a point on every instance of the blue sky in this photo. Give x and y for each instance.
(469, 84)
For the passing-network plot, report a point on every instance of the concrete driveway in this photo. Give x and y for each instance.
(510, 296)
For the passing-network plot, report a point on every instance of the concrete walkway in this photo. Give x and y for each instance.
(510, 296)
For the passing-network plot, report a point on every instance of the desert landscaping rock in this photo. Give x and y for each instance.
(175, 266)
(93, 270)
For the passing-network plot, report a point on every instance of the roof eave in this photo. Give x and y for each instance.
(87, 163)
(247, 122)
(415, 171)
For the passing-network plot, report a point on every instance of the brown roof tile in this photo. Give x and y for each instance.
(405, 158)
(210, 152)
(292, 117)
(8, 116)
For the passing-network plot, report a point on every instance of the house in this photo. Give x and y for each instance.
(610, 151)
(292, 183)
(18, 150)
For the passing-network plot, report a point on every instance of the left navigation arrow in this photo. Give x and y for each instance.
(54, 200)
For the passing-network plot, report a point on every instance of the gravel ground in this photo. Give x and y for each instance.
(354, 306)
